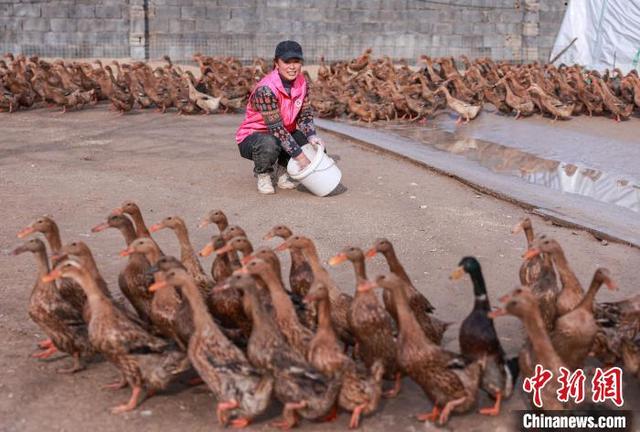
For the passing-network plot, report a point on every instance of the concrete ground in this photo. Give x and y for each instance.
(78, 166)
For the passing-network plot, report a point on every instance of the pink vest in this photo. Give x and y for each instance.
(289, 105)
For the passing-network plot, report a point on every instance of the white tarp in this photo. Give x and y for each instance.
(607, 31)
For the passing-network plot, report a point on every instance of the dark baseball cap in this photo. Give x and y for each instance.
(287, 50)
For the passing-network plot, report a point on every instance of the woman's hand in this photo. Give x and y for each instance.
(315, 139)
(303, 161)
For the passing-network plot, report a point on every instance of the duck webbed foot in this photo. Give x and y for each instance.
(396, 387)
(450, 406)
(289, 416)
(355, 416)
(240, 423)
(495, 409)
(46, 353)
(331, 415)
(222, 408)
(131, 405)
(431, 416)
(44, 344)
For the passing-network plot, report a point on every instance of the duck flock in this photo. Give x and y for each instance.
(365, 88)
(253, 338)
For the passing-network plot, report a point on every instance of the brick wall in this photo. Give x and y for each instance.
(518, 30)
(65, 28)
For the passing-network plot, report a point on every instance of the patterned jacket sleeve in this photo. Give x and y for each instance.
(305, 117)
(265, 102)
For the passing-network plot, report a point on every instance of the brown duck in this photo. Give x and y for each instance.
(300, 275)
(302, 389)
(187, 254)
(539, 274)
(226, 305)
(371, 324)
(451, 389)
(421, 307)
(143, 360)
(524, 305)
(69, 290)
(62, 323)
(574, 332)
(571, 293)
(340, 302)
(221, 267)
(169, 313)
(132, 279)
(360, 392)
(131, 208)
(297, 335)
(241, 390)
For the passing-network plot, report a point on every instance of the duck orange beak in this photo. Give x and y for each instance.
(245, 260)
(612, 285)
(516, 228)
(100, 227)
(457, 273)
(158, 285)
(338, 259)
(206, 250)
(156, 227)
(497, 313)
(26, 231)
(268, 236)
(365, 286)
(51, 276)
(282, 247)
(371, 253)
(203, 223)
(224, 249)
(57, 257)
(531, 253)
(505, 298)
(126, 252)
(117, 211)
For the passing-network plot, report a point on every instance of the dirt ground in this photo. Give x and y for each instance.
(78, 166)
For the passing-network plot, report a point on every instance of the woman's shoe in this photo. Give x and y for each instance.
(264, 184)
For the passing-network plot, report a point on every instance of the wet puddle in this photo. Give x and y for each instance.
(556, 175)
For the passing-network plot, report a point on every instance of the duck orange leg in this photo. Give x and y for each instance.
(396, 387)
(240, 423)
(450, 406)
(355, 416)
(46, 353)
(432, 416)
(289, 417)
(495, 409)
(331, 415)
(222, 408)
(131, 405)
(44, 344)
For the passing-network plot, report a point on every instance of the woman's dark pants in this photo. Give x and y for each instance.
(265, 150)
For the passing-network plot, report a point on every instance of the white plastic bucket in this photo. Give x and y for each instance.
(321, 176)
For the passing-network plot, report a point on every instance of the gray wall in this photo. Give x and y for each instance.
(65, 28)
(518, 30)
